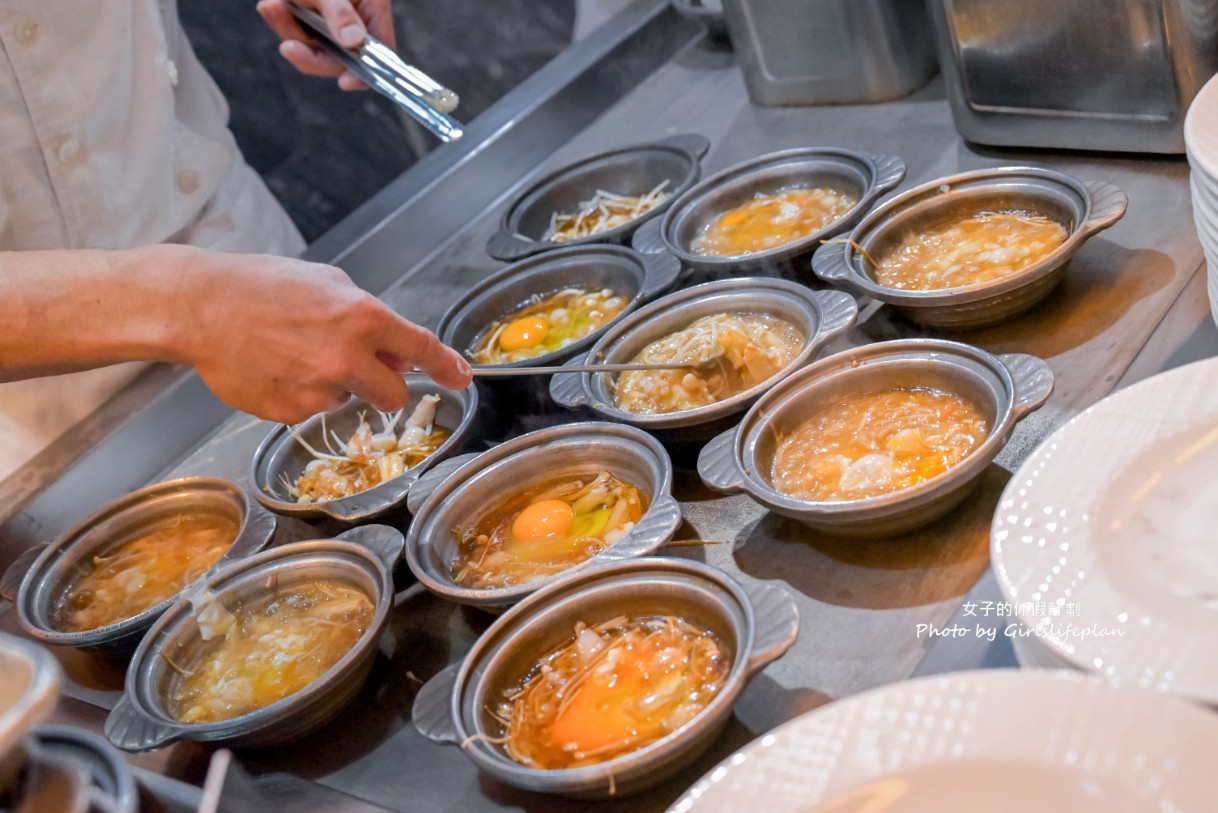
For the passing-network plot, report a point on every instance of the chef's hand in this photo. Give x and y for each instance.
(349, 20)
(285, 339)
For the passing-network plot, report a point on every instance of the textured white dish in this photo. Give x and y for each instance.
(1201, 128)
(1001, 741)
(1112, 522)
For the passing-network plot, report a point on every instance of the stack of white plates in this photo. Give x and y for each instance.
(1105, 542)
(1201, 143)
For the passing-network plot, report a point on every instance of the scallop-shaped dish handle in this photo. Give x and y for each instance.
(830, 262)
(509, 247)
(257, 533)
(838, 312)
(648, 238)
(777, 623)
(432, 711)
(426, 485)
(717, 464)
(386, 543)
(1108, 205)
(695, 144)
(1033, 379)
(132, 730)
(660, 272)
(654, 530)
(889, 172)
(567, 389)
(10, 585)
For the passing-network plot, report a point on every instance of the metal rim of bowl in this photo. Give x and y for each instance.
(138, 719)
(796, 386)
(659, 274)
(457, 481)
(372, 502)
(691, 146)
(886, 172)
(603, 351)
(1103, 205)
(255, 531)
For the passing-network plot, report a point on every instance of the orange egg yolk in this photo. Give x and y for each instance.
(542, 519)
(526, 332)
(604, 710)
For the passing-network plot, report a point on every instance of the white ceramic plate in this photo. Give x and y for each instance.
(1201, 128)
(1000, 741)
(1114, 521)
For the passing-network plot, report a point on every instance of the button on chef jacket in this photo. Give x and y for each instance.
(112, 135)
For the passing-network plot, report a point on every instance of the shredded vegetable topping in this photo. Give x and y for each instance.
(367, 458)
(979, 248)
(746, 348)
(145, 571)
(614, 688)
(547, 324)
(271, 649)
(604, 211)
(877, 443)
(771, 220)
(546, 529)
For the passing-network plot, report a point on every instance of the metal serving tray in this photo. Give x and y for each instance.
(420, 242)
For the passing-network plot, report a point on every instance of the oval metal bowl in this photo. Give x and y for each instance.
(280, 455)
(1083, 208)
(865, 176)
(634, 170)
(363, 558)
(460, 490)
(756, 622)
(635, 276)
(820, 315)
(39, 578)
(1005, 388)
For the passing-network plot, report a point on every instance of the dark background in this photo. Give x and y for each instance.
(323, 151)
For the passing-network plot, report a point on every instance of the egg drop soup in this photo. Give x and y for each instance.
(772, 220)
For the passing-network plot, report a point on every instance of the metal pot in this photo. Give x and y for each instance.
(756, 622)
(83, 766)
(1005, 388)
(864, 176)
(461, 489)
(362, 557)
(30, 681)
(280, 455)
(1083, 208)
(40, 576)
(820, 315)
(633, 170)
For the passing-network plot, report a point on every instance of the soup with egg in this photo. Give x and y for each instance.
(547, 325)
(771, 220)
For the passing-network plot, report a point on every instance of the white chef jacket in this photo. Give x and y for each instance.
(112, 135)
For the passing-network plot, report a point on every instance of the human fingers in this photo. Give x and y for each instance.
(378, 17)
(377, 384)
(309, 60)
(342, 19)
(411, 344)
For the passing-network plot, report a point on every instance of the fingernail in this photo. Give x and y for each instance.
(463, 367)
(351, 36)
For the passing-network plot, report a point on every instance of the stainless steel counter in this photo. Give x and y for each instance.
(420, 242)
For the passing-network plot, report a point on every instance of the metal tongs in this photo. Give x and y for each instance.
(381, 69)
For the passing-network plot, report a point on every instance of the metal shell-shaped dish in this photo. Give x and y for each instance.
(463, 489)
(862, 175)
(281, 456)
(756, 622)
(1082, 208)
(820, 315)
(637, 277)
(41, 576)
(634, 170)
(363, 558)
(1005, 388)
(32, 679)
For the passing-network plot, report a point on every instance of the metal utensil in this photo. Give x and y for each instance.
(504, 372)
(425, 99)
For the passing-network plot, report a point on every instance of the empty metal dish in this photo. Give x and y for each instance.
(462, 489)
(634, 170)
(755, 622)
(1082, 208)
(862, 175)
(1005, 388)
(280, 456)
(820, 315)
(39, 579)
(362, 558)
(637, 277)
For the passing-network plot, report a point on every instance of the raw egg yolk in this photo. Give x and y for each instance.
(527, 332)
(543, 518)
